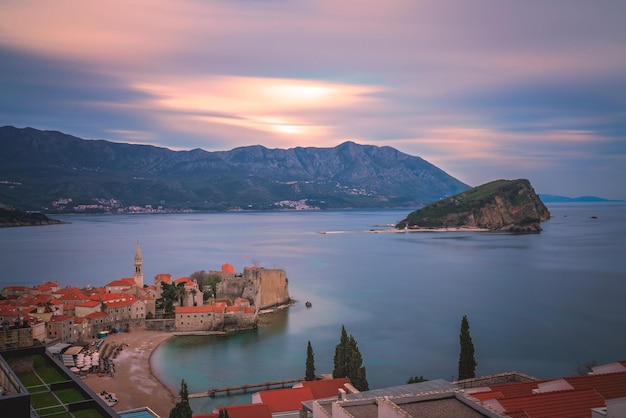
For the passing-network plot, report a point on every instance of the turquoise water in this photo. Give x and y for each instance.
(536, 303)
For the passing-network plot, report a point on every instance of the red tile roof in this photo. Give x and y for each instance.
(14, 288)
(565, 397)
(240, 309)
(252, 410)
(289, 399)
(39, 299)
(123, 282)
(60, 318)
(518, 414)
(89, 304)
(510, 390)
(326, 388)
(218, 308)
(120, 303)
(8, 312)
(484, 396)
(164, 277)
(560, 404)
(96, 315)
(609, 385)
(106, 297)
(45, 287)
(183, 279)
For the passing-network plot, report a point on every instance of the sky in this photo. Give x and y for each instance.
(484, 90)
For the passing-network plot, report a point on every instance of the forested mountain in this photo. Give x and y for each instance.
(55, 172)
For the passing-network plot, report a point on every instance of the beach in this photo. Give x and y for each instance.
(134, 384)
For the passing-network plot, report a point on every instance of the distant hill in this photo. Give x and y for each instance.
(501, 205)
(12, 217)
(55, 172)
(550, 198)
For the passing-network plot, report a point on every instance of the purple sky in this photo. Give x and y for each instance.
(482, 89)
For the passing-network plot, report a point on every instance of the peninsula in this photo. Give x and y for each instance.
(118, 326)
(12, 217)
(500, 205)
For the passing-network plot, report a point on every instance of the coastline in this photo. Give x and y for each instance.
(421, 229)
(134, 384)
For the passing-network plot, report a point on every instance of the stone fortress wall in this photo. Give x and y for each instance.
(265, 288)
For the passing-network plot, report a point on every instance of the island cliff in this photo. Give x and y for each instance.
(501, 205)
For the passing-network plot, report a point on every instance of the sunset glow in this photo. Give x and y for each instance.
(483, 91)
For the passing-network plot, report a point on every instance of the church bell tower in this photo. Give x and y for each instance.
(138, 267)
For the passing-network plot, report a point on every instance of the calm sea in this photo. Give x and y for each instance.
(539, 303)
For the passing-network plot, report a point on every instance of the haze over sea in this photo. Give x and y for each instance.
(537, 303)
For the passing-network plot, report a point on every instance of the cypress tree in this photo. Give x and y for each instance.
(182, 409)
(349, 362)
(309, 374)
(341, 349)
(467, 362)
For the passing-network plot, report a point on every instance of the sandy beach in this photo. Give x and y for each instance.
(134, 384)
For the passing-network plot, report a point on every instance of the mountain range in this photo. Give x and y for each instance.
(55, 172)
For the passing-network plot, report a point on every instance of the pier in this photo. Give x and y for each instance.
(228, 389)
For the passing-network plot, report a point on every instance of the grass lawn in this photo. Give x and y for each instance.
(45, 402)
(53, 411)
(42, 400)
(57, 415)
(29, 379)
(88, 413)
(47, 371)
(69, 395)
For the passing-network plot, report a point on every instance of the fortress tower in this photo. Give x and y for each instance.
(138, 267)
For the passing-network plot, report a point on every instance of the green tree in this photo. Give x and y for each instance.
(182, 409)
(309, 374)
(212, 280)
(467, 362)
(168, 296)
(349, 362)
(586, 367)
(340, 369)
(180, 292)
(200, 277)
(416, 379)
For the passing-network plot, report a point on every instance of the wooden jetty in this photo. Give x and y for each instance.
(228, 389)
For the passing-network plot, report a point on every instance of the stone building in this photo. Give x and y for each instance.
(127, 313)
(200, 318)
(216, 317)
(18, 335)
(60, 328)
